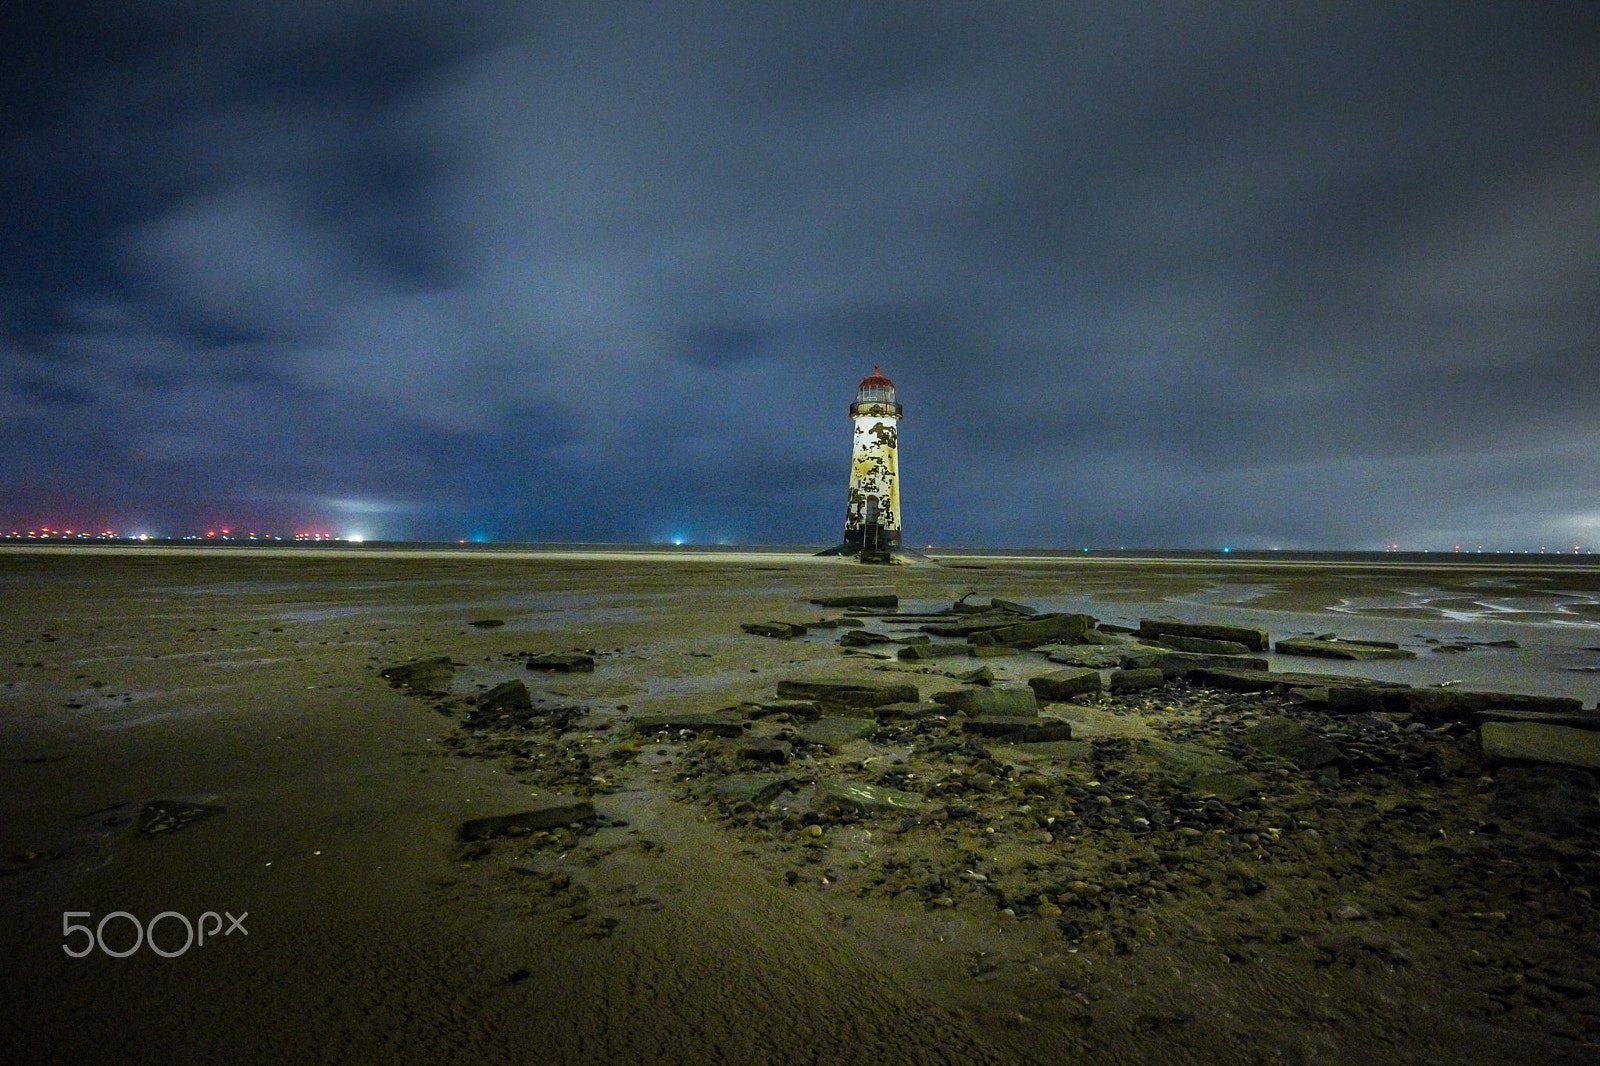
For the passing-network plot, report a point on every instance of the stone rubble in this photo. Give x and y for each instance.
(1089, 811)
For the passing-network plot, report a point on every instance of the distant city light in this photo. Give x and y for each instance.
(50, 533)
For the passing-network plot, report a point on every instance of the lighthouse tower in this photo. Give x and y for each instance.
(872, 514)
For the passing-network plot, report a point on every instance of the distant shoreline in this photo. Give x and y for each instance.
(1520, 561)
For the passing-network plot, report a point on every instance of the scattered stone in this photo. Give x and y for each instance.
(990, 651)
(1063, 685)
(431, 674)
(508, 697)
(1156, 628)
(848, 691)
(762, 749)
(166, 816)
(978, 675)
(1329, 647)
(1011, 605)
(979, 700)
(552, 816)
(780, 630)
(863, 638)
(1559, 745)
(562, 662)
(487, 623)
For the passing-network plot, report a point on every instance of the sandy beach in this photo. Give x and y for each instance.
(1402, 910)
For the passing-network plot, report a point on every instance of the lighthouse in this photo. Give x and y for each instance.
(872, 511)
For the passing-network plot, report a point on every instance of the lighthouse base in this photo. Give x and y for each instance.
(875, 545)
(869, 543)
(898, 557)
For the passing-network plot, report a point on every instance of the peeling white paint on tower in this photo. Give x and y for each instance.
(872, 513)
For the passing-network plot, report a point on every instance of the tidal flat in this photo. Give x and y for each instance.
(1197, 875)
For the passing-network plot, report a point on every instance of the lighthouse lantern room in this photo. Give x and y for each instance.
(872, 513)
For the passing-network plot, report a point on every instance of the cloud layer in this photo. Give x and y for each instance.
(1277, 274)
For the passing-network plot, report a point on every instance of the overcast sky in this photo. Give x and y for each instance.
(1297, 274)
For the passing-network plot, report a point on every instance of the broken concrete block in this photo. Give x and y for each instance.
(1065, 684)
(1335, 648)
(833, 733)
(721, 725)
(1136, 680)
(979, 700)
(1438, 704)
(1582, 719)
(922, 709)
(1181, 664)
(1155, 628)
(1019, 728)
(1533, 742)
(848, 691)
(1086, 656)
(1263, 680)
(1202, 645)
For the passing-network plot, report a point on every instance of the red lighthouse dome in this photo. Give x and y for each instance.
(877, 391)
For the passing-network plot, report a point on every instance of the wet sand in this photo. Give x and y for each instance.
(247, 681)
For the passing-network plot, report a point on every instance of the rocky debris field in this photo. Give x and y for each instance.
(1134, 789)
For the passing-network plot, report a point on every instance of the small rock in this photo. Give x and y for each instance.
(562, 662)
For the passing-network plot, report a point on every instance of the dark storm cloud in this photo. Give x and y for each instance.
(1265, 274)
